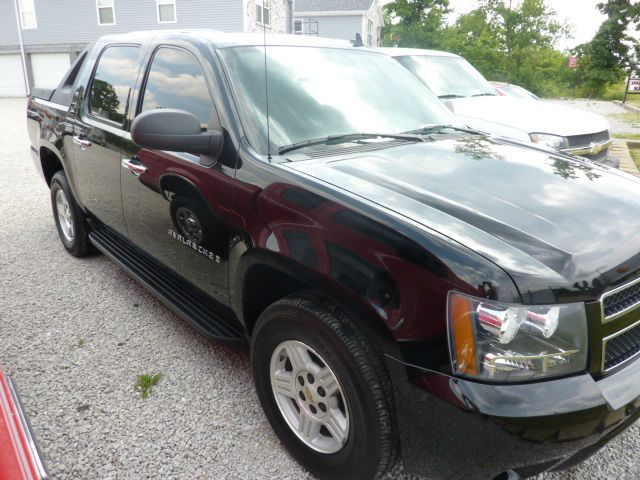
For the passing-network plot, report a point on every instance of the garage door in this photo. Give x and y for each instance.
(49, 68)
(11, 78)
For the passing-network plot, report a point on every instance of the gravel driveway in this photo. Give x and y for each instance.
(76, 333)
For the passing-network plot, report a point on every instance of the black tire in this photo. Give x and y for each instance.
(77, 244)
(213, 235)
(351, 351)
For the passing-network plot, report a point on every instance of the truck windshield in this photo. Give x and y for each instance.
(316, 92)
(447, 77)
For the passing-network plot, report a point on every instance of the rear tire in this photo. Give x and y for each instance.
(70, 220)
(322, 383)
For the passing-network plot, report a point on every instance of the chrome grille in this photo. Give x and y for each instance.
(586, 140)
(621, 347)
(619, 301)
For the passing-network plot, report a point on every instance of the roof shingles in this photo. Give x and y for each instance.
(332, 5)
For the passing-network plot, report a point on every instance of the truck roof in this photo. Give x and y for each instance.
(404, 52)
(223, 40)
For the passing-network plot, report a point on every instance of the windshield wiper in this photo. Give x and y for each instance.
(348, 137)
(426, 129)
(451, 95)
(484, 94)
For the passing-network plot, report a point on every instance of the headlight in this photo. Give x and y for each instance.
(552, 141)
(500, 342)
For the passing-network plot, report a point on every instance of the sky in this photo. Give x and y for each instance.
(582, 15)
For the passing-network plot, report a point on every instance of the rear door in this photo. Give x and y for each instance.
(177, 205)
(98, 132)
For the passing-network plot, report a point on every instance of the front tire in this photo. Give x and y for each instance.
(323, 386)
(70, 219)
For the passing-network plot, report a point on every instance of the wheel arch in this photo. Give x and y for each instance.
(172, 183)
(262, 277)
(51, 162)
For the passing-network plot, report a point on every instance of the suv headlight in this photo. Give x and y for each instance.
(551, 141)
(500, 342)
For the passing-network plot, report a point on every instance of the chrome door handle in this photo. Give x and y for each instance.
(82, 142)
(134, 166)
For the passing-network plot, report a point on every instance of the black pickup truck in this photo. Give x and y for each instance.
(407, 287)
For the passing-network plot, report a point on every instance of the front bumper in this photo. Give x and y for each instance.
(454, 428)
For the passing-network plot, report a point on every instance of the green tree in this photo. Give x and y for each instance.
(602, 60)
(104, 100)
(513, 43)
(414, 23)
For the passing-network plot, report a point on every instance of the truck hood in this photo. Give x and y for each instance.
(561, 227)
(528, 115)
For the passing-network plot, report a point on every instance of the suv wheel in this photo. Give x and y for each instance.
(324, 388)
(70, 219)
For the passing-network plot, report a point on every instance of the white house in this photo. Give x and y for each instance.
(339, 19)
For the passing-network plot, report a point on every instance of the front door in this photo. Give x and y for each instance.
(176, 205)
(98, 133)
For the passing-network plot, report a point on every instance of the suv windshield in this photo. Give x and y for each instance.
(316, 92)
(447, 76)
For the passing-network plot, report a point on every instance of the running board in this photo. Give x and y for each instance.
(206, 314)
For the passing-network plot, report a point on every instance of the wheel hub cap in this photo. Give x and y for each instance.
(65, 217)
(309, 397)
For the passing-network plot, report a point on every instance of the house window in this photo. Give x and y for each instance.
(263, 13)
(297, 27)
(166, 11)
(370, 33)
(28, 14)
(106, 12)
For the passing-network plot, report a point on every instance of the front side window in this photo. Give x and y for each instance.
(370, 33)
(106, 12)
(447, 76)
(316, 92)
(28, 14)
(297, 27)
(263, 12)
(166, 11)
(112, 82)
(176, 80)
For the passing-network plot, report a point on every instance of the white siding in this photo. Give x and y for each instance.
(76, 21)
(343, 27)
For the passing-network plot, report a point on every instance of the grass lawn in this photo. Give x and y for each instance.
(634, 99)
(628, 117)
(627, 136)
(635, 154)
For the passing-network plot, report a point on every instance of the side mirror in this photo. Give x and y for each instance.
(176, 131)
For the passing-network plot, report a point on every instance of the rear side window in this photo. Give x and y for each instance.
(112, 82)
(176, 80)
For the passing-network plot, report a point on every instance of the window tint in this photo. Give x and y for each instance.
(114, 78)
(176, 80)
(316, 92)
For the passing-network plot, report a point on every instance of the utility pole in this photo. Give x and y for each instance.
(22, 54)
